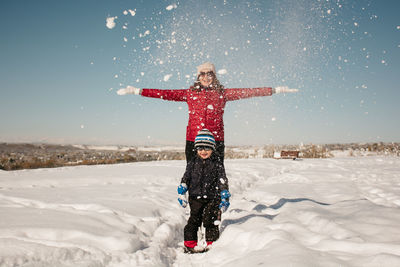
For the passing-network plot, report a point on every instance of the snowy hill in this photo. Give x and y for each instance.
(310, 212)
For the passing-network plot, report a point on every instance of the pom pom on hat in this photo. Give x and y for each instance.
(206, 67)
(204, 138)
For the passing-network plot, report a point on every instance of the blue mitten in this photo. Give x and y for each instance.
(224, 205)
(182, 189)
(225, 194)
(182, 200)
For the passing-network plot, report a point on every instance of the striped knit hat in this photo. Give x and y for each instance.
(204, 138)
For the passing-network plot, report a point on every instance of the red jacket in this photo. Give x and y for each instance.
(206, 106)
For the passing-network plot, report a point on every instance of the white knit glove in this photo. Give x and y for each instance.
(284, 89)
(129, 90)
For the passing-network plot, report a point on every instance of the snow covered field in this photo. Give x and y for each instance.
(311, 212)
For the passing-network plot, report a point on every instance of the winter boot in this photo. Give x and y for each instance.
(190, 246)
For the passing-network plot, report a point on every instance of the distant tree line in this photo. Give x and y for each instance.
(32, 156)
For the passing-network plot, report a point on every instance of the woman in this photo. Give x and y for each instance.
(206, 100)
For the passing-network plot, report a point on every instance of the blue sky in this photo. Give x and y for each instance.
(60, 68)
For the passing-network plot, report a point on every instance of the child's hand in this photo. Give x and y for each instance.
(129, 90)
(284, 89)
(182, 200)
(182, 189)
(224, 205)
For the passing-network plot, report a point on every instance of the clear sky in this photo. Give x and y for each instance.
(61, 65)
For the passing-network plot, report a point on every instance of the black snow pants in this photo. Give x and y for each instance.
(202, 211)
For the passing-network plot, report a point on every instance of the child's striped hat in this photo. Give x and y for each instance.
(204, 138)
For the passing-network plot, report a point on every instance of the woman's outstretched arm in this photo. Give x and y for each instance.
(165, 94)
(240, 93)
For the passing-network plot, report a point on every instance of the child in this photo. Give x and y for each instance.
(206, 182)
(206, 101)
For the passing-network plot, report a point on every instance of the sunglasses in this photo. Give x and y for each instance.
(206, 148)
(209, 74)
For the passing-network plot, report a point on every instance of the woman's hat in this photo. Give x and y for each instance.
(206, 67)
(204, 138)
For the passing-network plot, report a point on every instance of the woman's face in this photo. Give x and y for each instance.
(206, 78)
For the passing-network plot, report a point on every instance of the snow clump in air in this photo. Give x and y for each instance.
(144, 34)
(222, 71)
(170, 7)
(132, 12)
(166, 77)
(110, 22)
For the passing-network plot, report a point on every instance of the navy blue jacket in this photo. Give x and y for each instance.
(205, 178)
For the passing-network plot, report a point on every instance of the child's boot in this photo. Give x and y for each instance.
(190, 246)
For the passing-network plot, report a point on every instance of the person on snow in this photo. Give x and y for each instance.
(206, 182)
(206, 100)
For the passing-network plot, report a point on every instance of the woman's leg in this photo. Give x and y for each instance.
(220, 149)
(189, 151)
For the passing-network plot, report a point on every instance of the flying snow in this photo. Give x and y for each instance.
(167, 77)
(222, 71)
(170, 7)
(110, 22)
(130, 11)
(288, 48)
(147, 32)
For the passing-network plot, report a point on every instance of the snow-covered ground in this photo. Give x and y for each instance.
(310, 212)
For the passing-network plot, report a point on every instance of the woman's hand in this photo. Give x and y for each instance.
(284, 89)
(129, 90)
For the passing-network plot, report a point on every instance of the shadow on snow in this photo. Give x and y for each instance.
(261, 207)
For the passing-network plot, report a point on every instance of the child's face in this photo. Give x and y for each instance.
(204, 153)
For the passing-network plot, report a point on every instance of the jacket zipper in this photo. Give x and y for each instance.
(202, 178)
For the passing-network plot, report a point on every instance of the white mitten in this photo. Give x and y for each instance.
(129, 90)
(284, 89)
